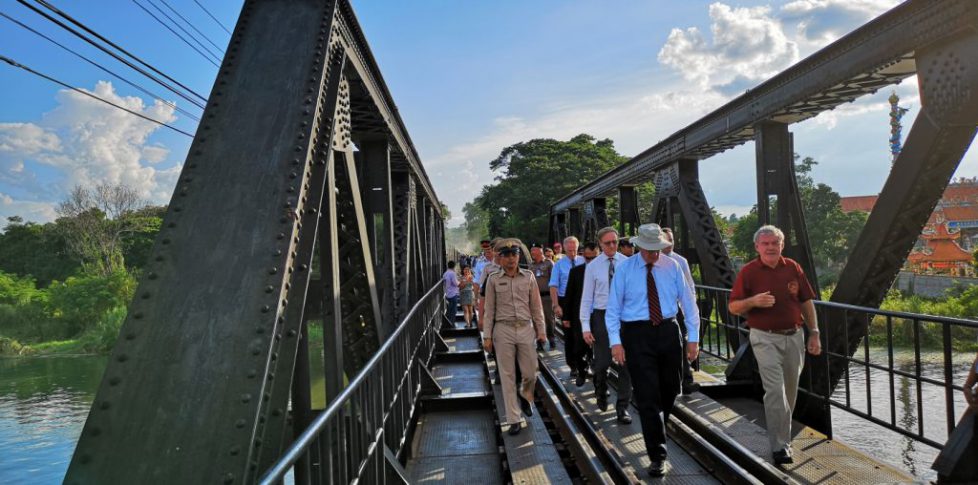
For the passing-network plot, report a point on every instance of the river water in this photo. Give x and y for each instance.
(44, 402)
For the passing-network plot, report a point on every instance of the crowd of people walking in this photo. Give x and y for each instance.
(631, 302)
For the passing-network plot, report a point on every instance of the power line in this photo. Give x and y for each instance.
(67, 17)
(104, 69)
(185, 41)
(192, 36)
(86, 93)
(189, 23)
(213, 17)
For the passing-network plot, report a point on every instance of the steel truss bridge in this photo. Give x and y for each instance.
(303, 199)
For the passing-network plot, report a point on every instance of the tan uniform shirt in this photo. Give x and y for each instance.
(513, 299)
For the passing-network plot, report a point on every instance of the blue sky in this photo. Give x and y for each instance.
(469, 79)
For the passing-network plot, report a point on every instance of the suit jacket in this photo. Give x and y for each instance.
(572, 297)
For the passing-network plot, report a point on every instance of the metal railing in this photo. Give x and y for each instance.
(909, 356)
(347, 442)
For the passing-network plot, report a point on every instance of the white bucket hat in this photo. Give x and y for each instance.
(650, 238)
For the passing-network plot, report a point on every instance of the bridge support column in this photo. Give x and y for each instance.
(628, 219)
(378, 201)
(404, 200)
(776, 178)
(575, 223)
(595, 217)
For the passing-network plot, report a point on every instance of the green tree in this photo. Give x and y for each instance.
(532, 175)
(96, 222)
(35, 250)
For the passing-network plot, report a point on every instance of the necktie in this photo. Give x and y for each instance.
(611, 270)
(655, 311)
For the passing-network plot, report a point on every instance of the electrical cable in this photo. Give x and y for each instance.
(104, 69)
(185, 41)
(213, 17)
(67, 17)
(86, 93)
(189, 23)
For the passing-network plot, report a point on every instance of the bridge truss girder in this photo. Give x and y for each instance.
(215, 345)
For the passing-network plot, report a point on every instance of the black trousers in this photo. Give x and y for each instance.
(687, 366)
(575, 350)
(654, 356)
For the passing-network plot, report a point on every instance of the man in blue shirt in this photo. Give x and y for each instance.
(645, 296)
(558, 289)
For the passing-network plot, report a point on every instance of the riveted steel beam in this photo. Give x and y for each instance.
(628, 218)
(200, 334)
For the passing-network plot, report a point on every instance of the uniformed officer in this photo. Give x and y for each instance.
(513, 321)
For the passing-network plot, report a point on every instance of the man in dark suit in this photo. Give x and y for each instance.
(577, 352)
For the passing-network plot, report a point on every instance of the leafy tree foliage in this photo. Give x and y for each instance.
(35, 250)
(831, 232)
(532, 175)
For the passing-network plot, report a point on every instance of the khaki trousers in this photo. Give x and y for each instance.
(779, 361)
(515, 343)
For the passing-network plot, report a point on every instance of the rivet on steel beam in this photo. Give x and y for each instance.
(228, 478)
(252, 373)
(86, 459)
(269, 289)
(137, 315)
(246, 398)
(266, 309)
(94, 432)
(152, 276)
(272, 270)
(234, 450)
(281, 235)
(291, 333)
(145, 295)
(278, 252)
(130, 336)
(166, 241)
(122, 358)
(277, 412)
(240, 423)
(105, 405)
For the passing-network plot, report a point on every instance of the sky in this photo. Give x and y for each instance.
(468, 78)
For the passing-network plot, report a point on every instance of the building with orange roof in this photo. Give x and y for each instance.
(950, 237)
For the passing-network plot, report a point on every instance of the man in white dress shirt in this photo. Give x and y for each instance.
(594, 300)
(645, 296)
(689, 386)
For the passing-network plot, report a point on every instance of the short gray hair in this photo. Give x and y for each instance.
(571, 238)
(606, 230)
(768, 229)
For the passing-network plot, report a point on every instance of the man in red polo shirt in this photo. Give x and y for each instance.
(773, 293)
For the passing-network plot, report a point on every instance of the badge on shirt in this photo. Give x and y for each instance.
(539, 273)
(793, 288)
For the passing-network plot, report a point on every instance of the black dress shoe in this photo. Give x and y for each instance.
(690, 387)
(623, 416)
(581, 379)
(657, 468)
(514, 429)
(782, 457)
(603, 403)
(525, 406)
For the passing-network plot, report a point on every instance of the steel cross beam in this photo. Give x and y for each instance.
(875, 55)
(199, 383)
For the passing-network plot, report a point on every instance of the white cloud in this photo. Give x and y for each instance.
(823, 21)
(28, 210)
(87, 142)
(748, 45)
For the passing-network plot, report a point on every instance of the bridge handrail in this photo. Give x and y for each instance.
(301, 445)
(877, 311)
(718, 326)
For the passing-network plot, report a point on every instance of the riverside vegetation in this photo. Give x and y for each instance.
(65, 285)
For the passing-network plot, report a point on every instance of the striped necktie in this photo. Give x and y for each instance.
(655, 311)
(611, 270)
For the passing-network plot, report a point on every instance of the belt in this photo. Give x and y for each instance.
(513, 323)
(784, 331)
(664, 320)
